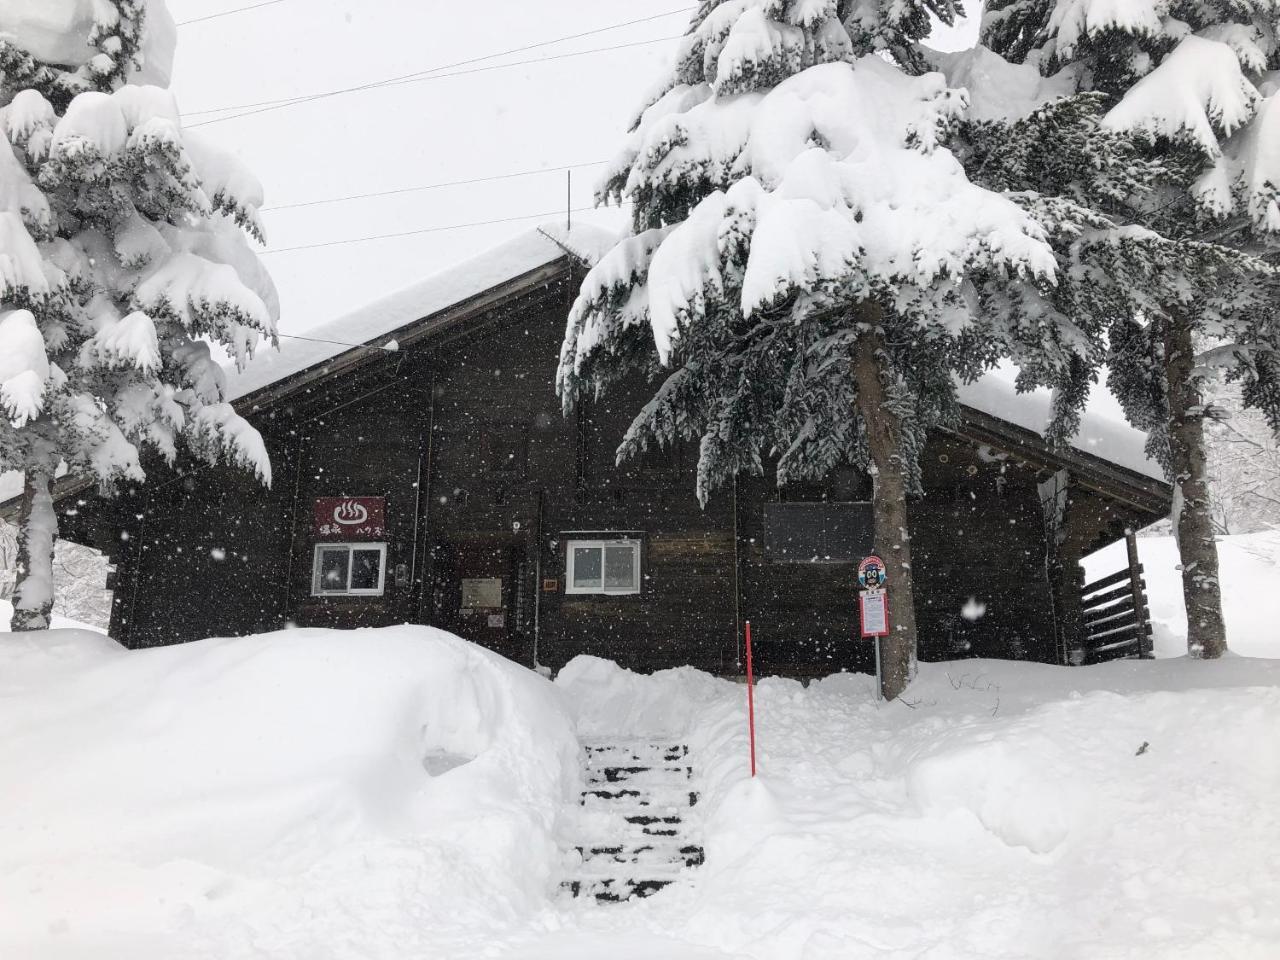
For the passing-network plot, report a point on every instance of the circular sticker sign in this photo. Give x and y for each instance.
(871, 573)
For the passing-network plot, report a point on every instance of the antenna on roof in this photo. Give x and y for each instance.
(568, 200)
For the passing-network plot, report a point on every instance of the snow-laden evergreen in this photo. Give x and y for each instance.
(810, 268)
(1195, 83)
(125, 274)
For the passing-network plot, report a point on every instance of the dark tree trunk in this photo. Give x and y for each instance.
(37, 528)
(889, 504)
(1206, 631)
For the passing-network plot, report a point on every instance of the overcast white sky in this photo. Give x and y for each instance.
(495, 121)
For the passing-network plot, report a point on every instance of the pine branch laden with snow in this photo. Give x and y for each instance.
(810, 269)
(1191, 84)
(762, 216)
(1196, 79)
(123, 258)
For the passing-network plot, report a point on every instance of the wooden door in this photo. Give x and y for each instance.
(479, 594)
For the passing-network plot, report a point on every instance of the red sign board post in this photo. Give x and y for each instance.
(873, 605)
(350, 518)
(873, 612)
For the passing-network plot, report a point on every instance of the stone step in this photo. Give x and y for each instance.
(621, 855)
(610, 890)
(635, 753)
(638, 774)
(635, 801)
(631, 828)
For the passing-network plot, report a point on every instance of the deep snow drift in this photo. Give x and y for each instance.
(394, 793)
(306, 794)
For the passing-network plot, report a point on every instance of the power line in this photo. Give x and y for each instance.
(432, 186)
(437, 76)
(423, 74)
(227, 13)
(413, 233)
(338, 343)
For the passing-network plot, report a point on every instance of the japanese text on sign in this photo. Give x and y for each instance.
(873, 613)
(350, 518)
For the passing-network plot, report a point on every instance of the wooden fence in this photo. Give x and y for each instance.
(1117, 623)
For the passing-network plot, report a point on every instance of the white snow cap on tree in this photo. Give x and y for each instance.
(24, 367)
(789, 177)
(59, 32)
(837, 182)
(1201, 80)
(122, 245)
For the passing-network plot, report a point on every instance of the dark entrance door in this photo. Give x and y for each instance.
(480, 592)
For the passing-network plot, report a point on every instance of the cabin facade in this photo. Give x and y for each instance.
(439, 483)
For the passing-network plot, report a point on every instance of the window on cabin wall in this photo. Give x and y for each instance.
(821, 521)
(819, 532)
(349, 569)
(607, 565)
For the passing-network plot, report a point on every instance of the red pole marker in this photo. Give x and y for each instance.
(751, 702)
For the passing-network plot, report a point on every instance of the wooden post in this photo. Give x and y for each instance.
(1141, 613)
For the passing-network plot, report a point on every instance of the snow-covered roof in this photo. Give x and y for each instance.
(1103, 431)
(374, 321)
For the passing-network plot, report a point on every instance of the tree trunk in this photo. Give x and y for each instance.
(37, 528)
(1201, 591)
(889, 505)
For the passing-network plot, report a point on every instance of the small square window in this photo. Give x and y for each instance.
(346, 569)
(603, 566)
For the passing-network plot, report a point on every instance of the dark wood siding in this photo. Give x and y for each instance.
(484, 478)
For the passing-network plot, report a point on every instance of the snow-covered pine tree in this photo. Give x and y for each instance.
(1191, 80)
(124, 267)
(801, 278)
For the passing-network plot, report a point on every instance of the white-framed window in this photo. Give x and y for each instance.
(349, 569)
(602, 565)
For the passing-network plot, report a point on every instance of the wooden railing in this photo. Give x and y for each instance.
(1116, 619)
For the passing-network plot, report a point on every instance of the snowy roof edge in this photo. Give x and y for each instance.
(440, 291)
(1102, 440)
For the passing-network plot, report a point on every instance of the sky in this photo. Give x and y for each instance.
(490, 119)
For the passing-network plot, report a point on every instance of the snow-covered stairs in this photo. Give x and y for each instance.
(633, 831)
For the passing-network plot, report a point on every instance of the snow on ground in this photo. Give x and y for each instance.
(1005, 810)
(1250, 570)
(59, 622)
(308, 794)
(311, 794)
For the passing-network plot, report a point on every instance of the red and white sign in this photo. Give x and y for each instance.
(350, 518)
(872, 574)
(873, 612)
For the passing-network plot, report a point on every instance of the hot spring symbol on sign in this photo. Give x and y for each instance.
(350, 518)
(350, 513)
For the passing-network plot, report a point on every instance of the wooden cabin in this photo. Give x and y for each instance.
(437, 482)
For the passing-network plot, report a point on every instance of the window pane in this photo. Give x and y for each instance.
(586, 566)
(334, 565)
(365, 567)
(620, 567)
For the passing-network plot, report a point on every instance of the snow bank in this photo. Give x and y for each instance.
(1250, 569)
(1004, 810)
(288, 794)
(608, 701)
